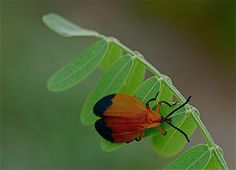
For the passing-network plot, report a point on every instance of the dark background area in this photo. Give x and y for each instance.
(190, 41)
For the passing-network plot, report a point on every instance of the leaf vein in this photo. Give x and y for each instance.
(104, 92)
(197, 159)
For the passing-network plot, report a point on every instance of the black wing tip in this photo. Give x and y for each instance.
(101, 106)
(104, 130)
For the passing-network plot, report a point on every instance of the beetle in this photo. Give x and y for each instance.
(123, 118)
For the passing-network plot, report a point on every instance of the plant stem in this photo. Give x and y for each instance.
(180, 97)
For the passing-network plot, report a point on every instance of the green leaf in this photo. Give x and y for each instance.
(135, 78)
(214, 163)
(194, 158)
(66, 28)
(148, 65)
(148, 89)
(174, 141)
(165, 95)
(108, 146)
(114, 53)
(144, 92)
(177, 117)
(80, 68)
(111, 82)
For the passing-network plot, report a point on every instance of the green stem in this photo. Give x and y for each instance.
(180, 97)
(203, 129)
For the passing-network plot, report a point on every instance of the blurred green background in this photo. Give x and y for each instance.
(191, 41)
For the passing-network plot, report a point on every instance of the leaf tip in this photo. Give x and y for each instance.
(47, 16)
(51, 87)
(85, 120)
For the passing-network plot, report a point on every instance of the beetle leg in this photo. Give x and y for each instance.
(148, 107)
(162, 131)
(158, 107)
(168, 104)
(152, 99)
(130, 141)
(140, 137)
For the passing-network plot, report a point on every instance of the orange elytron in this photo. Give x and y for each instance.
(123, 118)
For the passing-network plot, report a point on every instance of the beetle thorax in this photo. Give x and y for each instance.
(153, 117)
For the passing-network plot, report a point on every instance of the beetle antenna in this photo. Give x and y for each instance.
(178, 107)
(186, 136)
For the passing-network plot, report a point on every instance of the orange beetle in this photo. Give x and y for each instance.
(124, 118)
